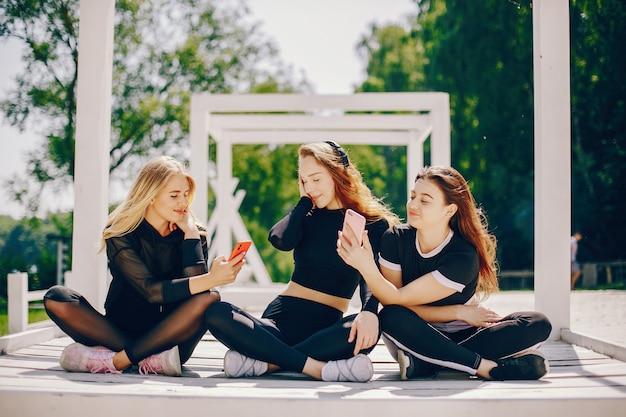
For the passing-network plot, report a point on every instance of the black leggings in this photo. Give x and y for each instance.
(290, 330)
(462, 350)
(184, 326)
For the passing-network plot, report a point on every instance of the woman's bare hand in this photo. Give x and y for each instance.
(478, 316)
(187, 225)
(364, 331)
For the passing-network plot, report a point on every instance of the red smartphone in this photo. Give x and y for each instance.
(240, 247)
(356, 222)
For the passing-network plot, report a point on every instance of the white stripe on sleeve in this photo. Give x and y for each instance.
(447, 282)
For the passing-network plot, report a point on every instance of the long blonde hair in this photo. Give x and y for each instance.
(350, 188)
(152, 178)
(469, 221)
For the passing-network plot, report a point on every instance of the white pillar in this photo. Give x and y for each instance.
(440, 147)
(552, 161)
(17, 311)
(199, 158)
(93, 133)
(223, 194)
(414, 160)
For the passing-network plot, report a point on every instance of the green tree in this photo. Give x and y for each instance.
(164, 51)
(481, 54)
(26, 243)
(598, 83)
(394, 60)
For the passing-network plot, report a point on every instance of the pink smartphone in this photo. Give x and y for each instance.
(240, 247)
(356, 222)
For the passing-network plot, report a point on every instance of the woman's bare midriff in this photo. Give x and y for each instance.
(296, 290)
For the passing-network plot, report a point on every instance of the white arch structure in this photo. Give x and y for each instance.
(298, 118)
(552, 156)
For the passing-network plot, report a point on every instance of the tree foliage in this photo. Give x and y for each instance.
(481, 54)
(30, 245)
(164, 51)
(599, 125)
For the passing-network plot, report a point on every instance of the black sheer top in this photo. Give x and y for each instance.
(150, 272)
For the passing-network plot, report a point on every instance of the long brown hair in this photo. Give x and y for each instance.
(350, 188)
(469, 221)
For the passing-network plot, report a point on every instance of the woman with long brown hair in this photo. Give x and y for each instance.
(304, 329)
(433, 273)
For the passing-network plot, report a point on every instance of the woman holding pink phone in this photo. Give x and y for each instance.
(430, 275)
(161, 286)
(304, 328)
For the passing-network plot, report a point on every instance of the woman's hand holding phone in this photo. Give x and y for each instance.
(240, 247)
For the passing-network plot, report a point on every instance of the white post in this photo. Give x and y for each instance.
(552, 161)
(440, 148)
(414, 160)
(224, 192)
(199, 158)
(93, 133)
(17, 311)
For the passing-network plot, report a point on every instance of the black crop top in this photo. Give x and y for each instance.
(150, 272)
(312, 234)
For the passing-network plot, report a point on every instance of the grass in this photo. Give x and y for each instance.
(620, 285)
(35, 314)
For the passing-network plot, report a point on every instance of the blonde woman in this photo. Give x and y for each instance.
(304, 329)
(161, 286)
(432, 273)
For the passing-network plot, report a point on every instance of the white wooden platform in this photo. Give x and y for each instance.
(581, 383)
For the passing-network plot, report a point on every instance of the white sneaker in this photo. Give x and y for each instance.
(237, 365)
(164, 363)
(356, 369)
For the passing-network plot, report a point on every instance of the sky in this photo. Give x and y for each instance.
(317, 38)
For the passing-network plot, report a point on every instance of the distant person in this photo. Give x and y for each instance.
(433, 271)
(576, 271)
(304, 328)
(161, 287)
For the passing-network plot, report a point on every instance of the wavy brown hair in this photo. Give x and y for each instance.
(350, 188)
(469, 221)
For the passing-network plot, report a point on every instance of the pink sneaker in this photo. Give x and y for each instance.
(81, 358)
(164, 363)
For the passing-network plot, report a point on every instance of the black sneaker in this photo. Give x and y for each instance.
(412, 367)
(527, 366)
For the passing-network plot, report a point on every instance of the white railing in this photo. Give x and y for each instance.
(18, 299)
